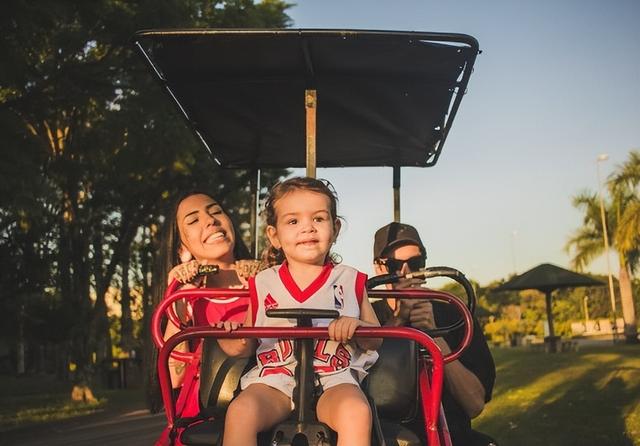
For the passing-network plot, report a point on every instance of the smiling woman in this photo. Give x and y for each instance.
(206, 232)
(198, 232)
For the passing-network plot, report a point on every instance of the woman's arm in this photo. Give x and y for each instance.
(176, 367)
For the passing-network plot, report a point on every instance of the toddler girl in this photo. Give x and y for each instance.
(302, 224)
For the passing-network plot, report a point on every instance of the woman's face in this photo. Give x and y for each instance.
(205, 230)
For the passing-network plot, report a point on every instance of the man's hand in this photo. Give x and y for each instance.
(404, 284)
(421, 315)
(416, 313)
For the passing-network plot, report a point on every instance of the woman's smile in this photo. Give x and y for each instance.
(215, 237)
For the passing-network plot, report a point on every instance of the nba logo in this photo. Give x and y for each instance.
(270, 303)
(338, 297)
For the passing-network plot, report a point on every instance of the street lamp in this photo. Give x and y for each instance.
(601, 158)
(586, 312)
(514, 233)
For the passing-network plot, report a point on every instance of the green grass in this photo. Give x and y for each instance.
(585, 398)
(35, 400)
(589, 397)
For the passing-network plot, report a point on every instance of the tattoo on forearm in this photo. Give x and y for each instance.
(179, 368)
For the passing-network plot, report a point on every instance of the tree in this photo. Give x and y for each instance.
(624, 188)
(94, 152)
(586, 243)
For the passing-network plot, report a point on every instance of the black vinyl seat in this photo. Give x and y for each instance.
(392, 384)
(219, 382)
(207, 432)
(219, 378)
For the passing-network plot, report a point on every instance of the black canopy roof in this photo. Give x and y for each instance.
(384, 98)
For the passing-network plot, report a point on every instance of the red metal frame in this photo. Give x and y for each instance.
(425, 389)
(190, 295)
(436, 359)
(431, 367)
(441, 296)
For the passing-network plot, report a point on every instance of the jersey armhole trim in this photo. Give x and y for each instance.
(253, 299)
(361, 281)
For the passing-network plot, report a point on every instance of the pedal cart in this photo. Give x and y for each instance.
(255, 99)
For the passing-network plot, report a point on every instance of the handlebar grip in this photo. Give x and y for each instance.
(299, 313)
(208, 269)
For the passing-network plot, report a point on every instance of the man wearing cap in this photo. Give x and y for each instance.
(468, 382)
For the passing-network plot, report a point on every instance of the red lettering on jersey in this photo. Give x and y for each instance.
(319, 352)
(341, 359)
(269, 357)
(286, 348)
(266, 371)
(323, 369)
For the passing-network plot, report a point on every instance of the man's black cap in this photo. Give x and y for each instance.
(395, 235)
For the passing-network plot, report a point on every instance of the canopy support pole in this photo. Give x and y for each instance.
(254, 185)
(396, 194)
(310, 105)
(552, 334)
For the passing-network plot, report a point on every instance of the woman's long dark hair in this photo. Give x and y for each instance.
(167, 258)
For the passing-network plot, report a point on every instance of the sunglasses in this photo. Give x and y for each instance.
(415, 263)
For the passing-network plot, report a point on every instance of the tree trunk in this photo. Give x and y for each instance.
(104, 276)
(82, 341)
(126, 327)
(20, 363)
(626, 301)
(101, 320)
(150, 353)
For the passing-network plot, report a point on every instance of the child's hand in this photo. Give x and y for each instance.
(229, 326)
(342, 329)
(184, 272)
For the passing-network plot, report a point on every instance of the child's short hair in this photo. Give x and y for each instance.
(275, 256)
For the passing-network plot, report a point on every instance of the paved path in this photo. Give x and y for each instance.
(136, 427)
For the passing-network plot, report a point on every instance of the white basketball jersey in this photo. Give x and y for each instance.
(339, 288)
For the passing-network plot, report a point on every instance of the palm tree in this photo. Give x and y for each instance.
(586, 243)
(624, 185)
(624, 188)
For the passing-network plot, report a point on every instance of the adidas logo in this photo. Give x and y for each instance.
(270, 303)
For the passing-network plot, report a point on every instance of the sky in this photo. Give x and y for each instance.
(556, 85)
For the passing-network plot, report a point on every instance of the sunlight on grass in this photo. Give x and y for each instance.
(548, 386)
(34, 409)
(632, 422)
(52, 413)
(591, 397)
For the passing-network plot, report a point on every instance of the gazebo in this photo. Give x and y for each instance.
(547, 278)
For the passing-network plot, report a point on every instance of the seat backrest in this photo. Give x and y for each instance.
(219, 378)
(393, 380)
